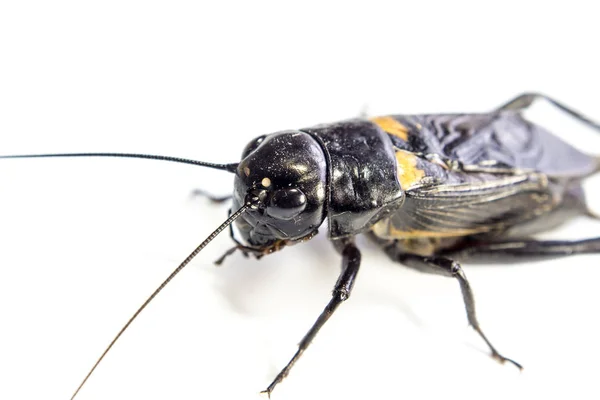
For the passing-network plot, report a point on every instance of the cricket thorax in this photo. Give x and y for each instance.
(363, 182)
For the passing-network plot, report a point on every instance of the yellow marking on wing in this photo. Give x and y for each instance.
(408, 172)
(413, 233)
(391, 126)
(385, 229)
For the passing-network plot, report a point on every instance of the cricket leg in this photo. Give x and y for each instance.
(450, 268)
(341, 292)
(246, 250)
(211, 197)
(525, 100)
(519, 249)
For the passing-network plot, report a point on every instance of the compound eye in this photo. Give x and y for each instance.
(286, 203)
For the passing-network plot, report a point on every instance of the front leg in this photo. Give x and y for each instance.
(341, 292)
(448, 267)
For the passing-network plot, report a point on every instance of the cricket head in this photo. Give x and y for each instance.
(286, 175)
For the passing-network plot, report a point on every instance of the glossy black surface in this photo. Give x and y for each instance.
(353, 162)
(290, 170)
(364, 184)
(286, 203)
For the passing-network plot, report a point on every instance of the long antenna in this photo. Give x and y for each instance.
(251, 202)
(227, 167)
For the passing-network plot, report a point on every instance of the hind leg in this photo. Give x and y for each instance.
(521, 249)
(525, 100)
(450, 268)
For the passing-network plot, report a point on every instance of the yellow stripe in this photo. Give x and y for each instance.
(385, 229)
(391, 126)
(398, 234)
(408, 172)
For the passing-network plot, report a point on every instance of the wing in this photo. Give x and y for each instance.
(503, 138)
(480, 203)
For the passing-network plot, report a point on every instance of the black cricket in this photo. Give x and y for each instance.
(429, 189)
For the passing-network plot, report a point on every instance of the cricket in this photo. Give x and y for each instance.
(430, 190)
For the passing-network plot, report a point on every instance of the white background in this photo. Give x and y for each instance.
(84, 241)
